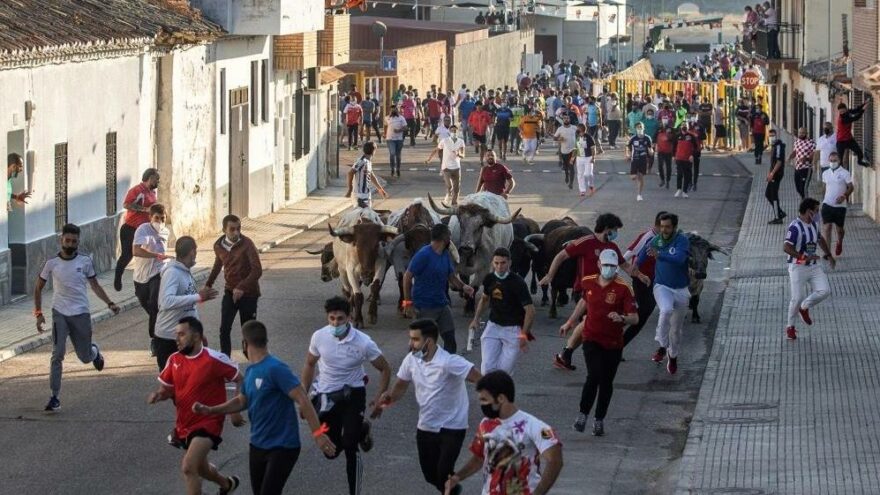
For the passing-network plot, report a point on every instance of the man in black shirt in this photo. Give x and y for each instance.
(511, 314)
(639, 148)
(774, 178)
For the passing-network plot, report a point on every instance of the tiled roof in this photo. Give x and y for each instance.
(30, 29)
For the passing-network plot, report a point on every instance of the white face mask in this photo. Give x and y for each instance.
(835, 165)
(609, 272)
(158, 226)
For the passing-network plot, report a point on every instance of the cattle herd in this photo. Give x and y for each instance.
(367, 242)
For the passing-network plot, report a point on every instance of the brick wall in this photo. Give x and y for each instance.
(423, 65)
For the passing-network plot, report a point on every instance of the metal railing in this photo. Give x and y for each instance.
(788, 42)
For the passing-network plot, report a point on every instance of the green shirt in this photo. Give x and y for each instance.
(518, 113)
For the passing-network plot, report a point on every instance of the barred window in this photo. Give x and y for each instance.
(60, 186)
(111, 174)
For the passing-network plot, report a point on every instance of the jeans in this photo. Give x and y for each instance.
(438, 452)
(800, 276)
(412, 130)
(601, 368)
(683, 175)
(646, 302)
(673, 304)
(246, 307)
(353, 135)
(270, 469)
(665, 166)
(395, 147)
(148, 295)
(126, 238)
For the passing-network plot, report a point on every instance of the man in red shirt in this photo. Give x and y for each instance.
(685, 148)
(495, 177)
(586, 250)
(355, 94)
(137, 203)
(845, 139)
(611, 306)
(197, 374)
(665, 150)
(354, 119)
(435, 111)
(479, 121)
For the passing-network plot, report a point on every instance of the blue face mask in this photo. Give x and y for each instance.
(502, 276)
(609, 272)
(340, 330)
(612, 235)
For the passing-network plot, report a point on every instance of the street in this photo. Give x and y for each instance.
(107, 440)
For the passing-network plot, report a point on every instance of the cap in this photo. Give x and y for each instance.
(608, 257)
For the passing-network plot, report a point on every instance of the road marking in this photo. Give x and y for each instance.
(545, 171)
(555, 171)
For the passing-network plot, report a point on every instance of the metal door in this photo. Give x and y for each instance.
(239, 127)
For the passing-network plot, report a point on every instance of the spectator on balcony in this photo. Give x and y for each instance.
(750, 26)
(771, 22)
(480, 18)
(845, 139)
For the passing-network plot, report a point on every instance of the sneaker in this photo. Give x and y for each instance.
(667, 184)
(662, 183)
(366, 441)
(694, 188)
(790, 333)
(659, 355)
(684, 195)
(53, 405)
(98, 362)
(672, 365)
(639, 197)
(782, 214)
(838, 248)
(561, 364)
(233, 485)
(678, 193)
(598, 428)
(805, 315)
(583, 194)
(580, 424)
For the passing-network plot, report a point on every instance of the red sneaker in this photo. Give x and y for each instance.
(561, 364)
(838, 249)
(805, 315)
(790, 333)
(672, 365)
(659, 355)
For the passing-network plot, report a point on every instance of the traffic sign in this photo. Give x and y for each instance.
(389, 63)
(750, 80)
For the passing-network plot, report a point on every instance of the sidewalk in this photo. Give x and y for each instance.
(779, 416)
(18, 331)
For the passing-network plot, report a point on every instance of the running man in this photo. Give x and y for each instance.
(838, 188)
(340, 393)
(478, 122)
(195, 375)
(670, 249)
(666, 144)
(237, 256)
(511, 314)
(643, 292)
(495, 177)
(149, 246)
(137, 205)
(801, 157)
(640, 149)
(774, 177)
(363, 180)
(451, 149)
(685, 150)
(70, 272)
(529, 127)
(611, 305)
(800, 245)
(270, 393)
(439, 380)
(517, 452)
(566, 136)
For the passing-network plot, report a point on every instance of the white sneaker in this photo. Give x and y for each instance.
(678, 193)
(684, 195)
(639, 197)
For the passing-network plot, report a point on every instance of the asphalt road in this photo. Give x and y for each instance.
(107, 440)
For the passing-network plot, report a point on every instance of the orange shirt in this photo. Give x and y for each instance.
(528, 126)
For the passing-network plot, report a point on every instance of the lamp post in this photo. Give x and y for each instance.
(380, 29)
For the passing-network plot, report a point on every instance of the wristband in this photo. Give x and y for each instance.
(38, 313)
(321, 430)
(406, 303)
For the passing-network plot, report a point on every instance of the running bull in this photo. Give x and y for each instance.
(521, 252)
(698, 262)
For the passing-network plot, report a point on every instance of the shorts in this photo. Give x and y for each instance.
(480, 138)
(364, 203)
(833, 214)
(639, 165)
(183, 443)
(720, 131)
(502, 132)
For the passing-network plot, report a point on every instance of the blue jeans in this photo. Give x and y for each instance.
(395, 146)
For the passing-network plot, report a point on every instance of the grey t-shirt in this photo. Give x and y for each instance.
(69, 283)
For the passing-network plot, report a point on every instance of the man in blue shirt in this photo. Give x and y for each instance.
(465, 108)
(269, 392)
(426, 296)
(671, 248)
(502, 128)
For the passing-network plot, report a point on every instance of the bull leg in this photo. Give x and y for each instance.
(357, 303)
(545, 298)
(694, 305)
(563, 297)
(554, 294)
(373, 310)
(534, 285)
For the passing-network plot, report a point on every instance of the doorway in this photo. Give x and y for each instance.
(239, 127)
(15, 235)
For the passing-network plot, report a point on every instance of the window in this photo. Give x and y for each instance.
(264, 89)
(254, 95)
(60, 186)
(111, 173)
(222, 101)
(811, 122)
(299, 124)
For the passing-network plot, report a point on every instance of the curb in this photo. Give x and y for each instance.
(200, 275)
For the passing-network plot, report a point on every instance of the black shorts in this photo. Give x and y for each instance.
(639, 165)
(502, 132)
(183, 443)
(480, 138)
(833, 214)
(720, 131)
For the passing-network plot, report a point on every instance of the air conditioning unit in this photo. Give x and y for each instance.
(313, 82)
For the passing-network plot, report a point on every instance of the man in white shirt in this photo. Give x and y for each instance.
(825, 145)
(340, 395)
(439, 379)
(771, 22)
(362, 180)
(149, 246)
(517, 452)
(566, 136)
(451, 150)
(838, 187)
(70, 273)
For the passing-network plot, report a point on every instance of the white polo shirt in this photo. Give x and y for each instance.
(450, 147)
(440, 389)
(69, 283)
(154, 241)
(835, 185)
(341, 362)
(826, 145)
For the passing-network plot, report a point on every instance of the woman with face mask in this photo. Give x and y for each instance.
(586, 152)
(611, 306)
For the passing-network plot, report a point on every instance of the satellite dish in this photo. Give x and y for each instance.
(379, 29)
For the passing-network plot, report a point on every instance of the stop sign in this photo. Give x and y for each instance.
(750, 80)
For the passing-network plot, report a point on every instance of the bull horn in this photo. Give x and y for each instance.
(453, 253)
(534, 237)
(442, 211)
(341, 232)
(496, 219)
(389, 229)
(315, 252)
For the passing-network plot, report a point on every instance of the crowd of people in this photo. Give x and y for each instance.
(720, 64)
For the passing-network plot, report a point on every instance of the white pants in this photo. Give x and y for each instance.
(584, 172)
(499, 347)
(673, 304)
(800, 276)
(529, 148)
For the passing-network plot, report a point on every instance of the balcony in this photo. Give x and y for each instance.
(296, 51)
(334, 40)
(264, 17)
(789, 48)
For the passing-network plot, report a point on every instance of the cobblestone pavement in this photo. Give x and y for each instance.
(790, 417)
